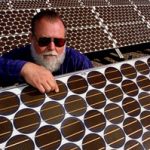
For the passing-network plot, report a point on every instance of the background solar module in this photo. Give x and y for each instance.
(93, 26)
(4, 4)
(89, 39)
(29, 4)
(130, 34)
(87, 113)
(64, 3)
(95, 2)
(143, 9)
(10, 42)
(120, 2)
(15, 21)
(76, 17)
(118, 14)
(138, 2)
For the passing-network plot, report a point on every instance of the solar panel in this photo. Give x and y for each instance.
(92, 25)
(8, 43)
(29, 4)
(95, 3)
(4, 4)
(89, 39)
(120, 2)
(64, 3)
(118, 14)
(130, 34)
(125, 24)
(15, 21)
(138, 2)
(144, 12)
(99, 108)
(76, 17)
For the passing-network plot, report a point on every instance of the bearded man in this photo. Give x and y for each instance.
(46, 56)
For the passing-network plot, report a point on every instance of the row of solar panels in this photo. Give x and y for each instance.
(89, 28)
(34, 4)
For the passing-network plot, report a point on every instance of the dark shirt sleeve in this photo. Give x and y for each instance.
(81, 61)
(10, 71)
(12, 63)
(74, 61)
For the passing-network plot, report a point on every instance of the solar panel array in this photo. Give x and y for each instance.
(100, 108)
(92, 25)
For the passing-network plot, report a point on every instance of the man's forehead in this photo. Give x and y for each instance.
(49, 20)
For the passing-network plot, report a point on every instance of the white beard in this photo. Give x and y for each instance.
(52, 63)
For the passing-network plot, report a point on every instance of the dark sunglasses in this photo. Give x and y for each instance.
(44, 41)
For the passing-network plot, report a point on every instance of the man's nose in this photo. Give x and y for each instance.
(51, 46)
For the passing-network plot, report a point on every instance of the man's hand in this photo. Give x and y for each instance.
(39, 77)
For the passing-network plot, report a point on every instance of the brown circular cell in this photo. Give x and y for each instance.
(20, 142)
(131, 106)
(145, 119)
(144, 99)
(114, 93)
(96, 79)
(130, 88)
(96, 99)
(9, 103)
(146, 140)
(148, 61)
(2, 44)
(75, 105)
(52, 112)
(31, 97)
(6, 129)
(7, 28)
(114, 136)
(63, 91)
(133, 145)
(5, 32)
(12, 32)
(18, 37)
(128, 71)
(114, 113)
(48, 137)
(4, 39)
(77, 84)
(72, 129)
(25, 30)
(9, 42)
(93, 141)
(142, 67)
(6, 48)
(113, 75)
(10, 38)
(94, 121)
(143, 82)
(26, 120)
(132, 127)
(69, 146)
